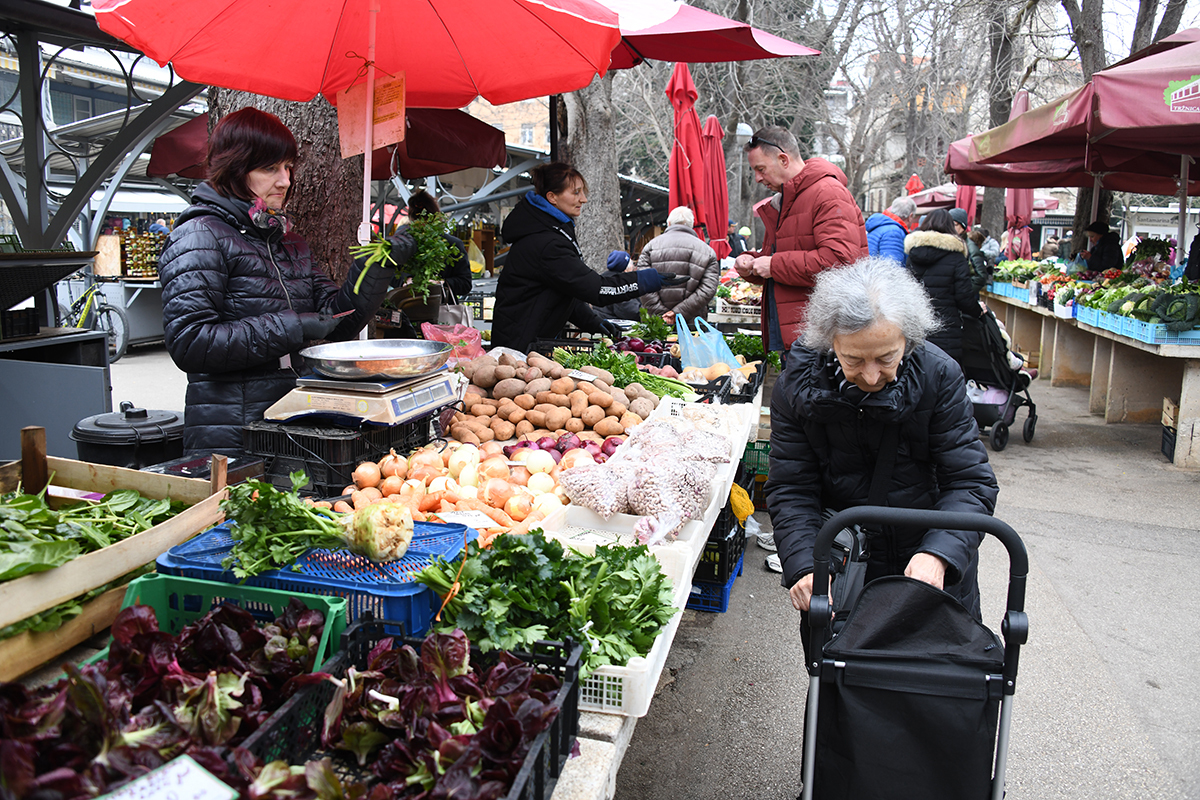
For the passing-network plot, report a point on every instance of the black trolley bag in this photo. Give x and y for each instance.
(913, 697)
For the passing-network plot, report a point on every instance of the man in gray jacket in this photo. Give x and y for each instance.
(678, 250)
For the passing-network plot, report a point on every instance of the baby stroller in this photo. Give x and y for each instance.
(913, 697)
(985, 360)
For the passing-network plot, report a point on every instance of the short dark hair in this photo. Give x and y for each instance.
(775, 136)
(938, 220)
(555, 177)
(246, 140)
(977, 237)
(422, 204)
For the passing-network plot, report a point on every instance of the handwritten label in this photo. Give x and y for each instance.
(182, 779)
(472, 519)
(582, 376)
(388, 117)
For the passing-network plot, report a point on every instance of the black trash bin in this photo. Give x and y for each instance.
(132, 437)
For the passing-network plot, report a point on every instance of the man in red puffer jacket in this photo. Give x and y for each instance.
(812, 224)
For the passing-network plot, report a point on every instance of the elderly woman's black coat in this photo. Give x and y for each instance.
(232, 296)
(939, 261)
(824, 449)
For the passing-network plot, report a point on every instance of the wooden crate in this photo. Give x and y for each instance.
(23, 597)
(27, 651)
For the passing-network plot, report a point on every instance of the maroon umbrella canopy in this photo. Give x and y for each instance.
(716, 190)
(437, 141)
(686, 167)
(1018, 203)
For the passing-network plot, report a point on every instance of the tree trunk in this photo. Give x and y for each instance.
(1000, 97)
(1087, 31)
(591, 148)
(326, 203)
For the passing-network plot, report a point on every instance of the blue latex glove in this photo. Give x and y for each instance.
(618, 260)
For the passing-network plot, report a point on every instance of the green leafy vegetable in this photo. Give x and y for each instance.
(623, 367)
(651, 328)
(433, 252)
(527, 588)
(376, 251)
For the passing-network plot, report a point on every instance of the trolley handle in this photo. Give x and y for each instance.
(916, 518)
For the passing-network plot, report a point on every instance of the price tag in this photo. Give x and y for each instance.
(182, 779)
(582, 376)
(472, 519)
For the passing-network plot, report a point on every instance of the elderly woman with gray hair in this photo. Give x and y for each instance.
(863, 386)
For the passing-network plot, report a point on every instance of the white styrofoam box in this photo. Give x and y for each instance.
(584, 530)
(629, 689)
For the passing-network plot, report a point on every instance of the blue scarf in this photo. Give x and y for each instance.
(537, 201)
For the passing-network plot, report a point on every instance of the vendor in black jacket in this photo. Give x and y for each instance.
(241, 294)
(545, 282)
(863, 364)
(1104, 248)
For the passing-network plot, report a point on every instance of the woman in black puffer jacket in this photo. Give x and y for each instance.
(863, 366)
(937, 257)
(241, 294)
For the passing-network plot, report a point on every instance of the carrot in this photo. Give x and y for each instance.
(445, 506)
(502, 519)
(524, 525)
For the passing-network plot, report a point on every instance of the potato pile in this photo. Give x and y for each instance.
(509, 398)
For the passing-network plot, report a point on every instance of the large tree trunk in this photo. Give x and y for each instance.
(326, 203)
(591, 148)
(1087, 31)
(1000, 102)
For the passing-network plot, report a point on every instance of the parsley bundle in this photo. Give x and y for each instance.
(526, 588)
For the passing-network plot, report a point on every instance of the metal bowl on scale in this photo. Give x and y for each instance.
(376, 359)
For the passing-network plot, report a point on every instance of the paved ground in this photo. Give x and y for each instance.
(1107, 702)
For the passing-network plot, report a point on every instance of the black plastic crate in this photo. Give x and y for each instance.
(547, 346)
(293, 733)
(18, 322)
(721, 557)
(659, 360)
(327, 454)
(749, 390)
(1168, 443)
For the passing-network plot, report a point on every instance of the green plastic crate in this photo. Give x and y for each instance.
(756, 457)
(179, 601)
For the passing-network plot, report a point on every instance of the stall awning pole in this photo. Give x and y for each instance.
(1185, 163)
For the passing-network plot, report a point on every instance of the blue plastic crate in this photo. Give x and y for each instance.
(714, 596)
(387, 590)
(1087, 315)
(1164, 336)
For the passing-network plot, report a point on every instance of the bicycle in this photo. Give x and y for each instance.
(90, 312)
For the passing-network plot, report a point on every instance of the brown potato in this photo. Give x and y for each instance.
(563, 386)
(525, 401)
(609, 426)
(558, 418)
(553, 398)
(503, 430)
(524, 428)
(579, 402)
(509, 387)
(591, 415)
(575, 425)
(537, 418)
(504, 372)
(615, 410)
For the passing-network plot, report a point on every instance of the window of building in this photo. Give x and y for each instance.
(83, 108)
(526, 133)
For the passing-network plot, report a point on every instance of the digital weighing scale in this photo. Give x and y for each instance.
(381, 402)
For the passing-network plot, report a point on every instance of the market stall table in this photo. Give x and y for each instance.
(1127, 379)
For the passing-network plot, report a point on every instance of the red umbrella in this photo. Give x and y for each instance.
(665, 30)
(1018, 203)
(964, 198)
(686, 168)
(437, 141)
(449, 51)
(934, 197)
(914, 185)
(716, 194)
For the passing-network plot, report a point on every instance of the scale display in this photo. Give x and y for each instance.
(386, 403)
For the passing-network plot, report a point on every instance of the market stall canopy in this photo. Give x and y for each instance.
(437, 141)
(1053, 172)
(1018, 202)
(1131, 117)
(451, 51)
(946, 195)
(665, 30)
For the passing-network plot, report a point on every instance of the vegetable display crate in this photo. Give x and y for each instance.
(721, 558)
(713, 596)
(387, 590)
(1064, 312)
(1087, 315)
(1152, 333)
(659, 360)
(547, 346)
(750, 389)
(628, 690)
(757, 457)
(293, 733)
(327, 455)
(1008, 290)
(179, 601)
(23, 597)
(734, 312)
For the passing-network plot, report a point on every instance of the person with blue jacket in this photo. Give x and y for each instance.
(886, 231)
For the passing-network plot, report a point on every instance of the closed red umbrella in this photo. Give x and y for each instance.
(686, 167)
(716, 195)
(964, 198)
(1018, 203)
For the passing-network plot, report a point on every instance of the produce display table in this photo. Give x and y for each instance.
(1127, 379)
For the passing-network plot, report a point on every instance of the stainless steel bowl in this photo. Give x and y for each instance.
(377, 359)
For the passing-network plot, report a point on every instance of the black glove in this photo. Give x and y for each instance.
(403, 246)
(611, 329)
(671, 279)
(317, 326)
